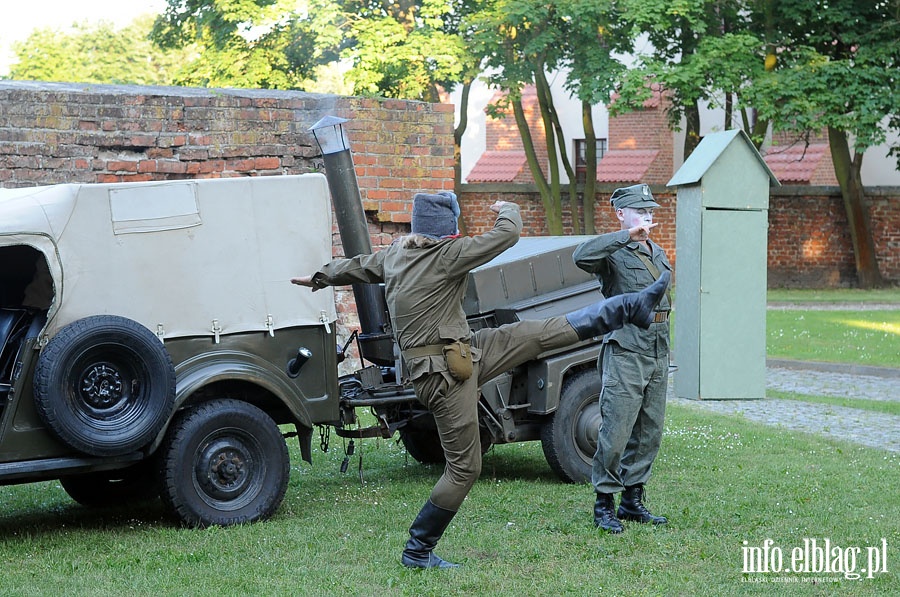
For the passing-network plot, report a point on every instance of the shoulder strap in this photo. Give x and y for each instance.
(654, 271)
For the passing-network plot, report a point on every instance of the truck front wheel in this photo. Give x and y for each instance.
(224, 462)
(569, 439)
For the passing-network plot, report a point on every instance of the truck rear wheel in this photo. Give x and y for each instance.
(224, 462)
(569, 439)
(423, 445)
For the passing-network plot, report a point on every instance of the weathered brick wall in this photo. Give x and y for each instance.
(58, 133)
(809, 239)
(809, 242)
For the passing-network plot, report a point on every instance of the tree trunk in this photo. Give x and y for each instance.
(691, 129)
(551, 207)
(847, 170)
(558, 141)
(590, 168)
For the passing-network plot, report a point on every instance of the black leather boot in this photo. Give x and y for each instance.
(426, 530)
(632, 507)
(605, 514)
(614, 312)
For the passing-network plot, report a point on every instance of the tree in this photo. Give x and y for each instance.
(241, 43)
(698, 53)
(801, 65)
(521, 41)
(837, 68)
(594, 74)
(96, 54)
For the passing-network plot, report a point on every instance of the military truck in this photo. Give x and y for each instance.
(151, 344)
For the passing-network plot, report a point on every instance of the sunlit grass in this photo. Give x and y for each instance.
(887, 407)
(853, 337)
(838, 295)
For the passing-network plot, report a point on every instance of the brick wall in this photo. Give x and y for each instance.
(646, 129)
(59, 133)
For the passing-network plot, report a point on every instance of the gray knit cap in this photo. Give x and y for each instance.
(435, 215)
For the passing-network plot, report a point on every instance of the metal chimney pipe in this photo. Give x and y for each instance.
(376, 342)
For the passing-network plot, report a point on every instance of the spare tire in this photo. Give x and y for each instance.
(105, 385)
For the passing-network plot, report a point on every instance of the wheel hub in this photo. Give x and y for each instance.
(101, 386)
(227, 472)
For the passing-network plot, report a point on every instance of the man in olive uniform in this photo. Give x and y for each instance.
(425, 278)
(634, 362)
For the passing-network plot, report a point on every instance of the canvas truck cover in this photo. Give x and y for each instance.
(183, 258)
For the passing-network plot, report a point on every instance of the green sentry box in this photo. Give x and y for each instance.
(720, 298)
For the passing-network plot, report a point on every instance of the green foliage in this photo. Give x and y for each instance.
(406, 49)
(97, 54)
(241, 43)
(837, 68)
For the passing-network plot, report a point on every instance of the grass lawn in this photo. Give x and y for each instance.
(840, 295)
(721, 481)
(857, 337)
(729, 487)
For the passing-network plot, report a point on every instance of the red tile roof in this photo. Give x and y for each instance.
(625, 165)
(795, 163)
(497, 166)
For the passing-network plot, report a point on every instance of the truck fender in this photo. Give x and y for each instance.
(545, 376)
(194, 374)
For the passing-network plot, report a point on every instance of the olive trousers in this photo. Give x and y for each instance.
(633, 408)
(454, 404)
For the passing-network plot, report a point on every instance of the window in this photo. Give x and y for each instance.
(580, 164)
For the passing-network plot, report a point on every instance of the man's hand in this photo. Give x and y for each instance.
(305, 281)
(496, 206)
(641, 233)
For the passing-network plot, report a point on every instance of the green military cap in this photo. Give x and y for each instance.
(635, 196)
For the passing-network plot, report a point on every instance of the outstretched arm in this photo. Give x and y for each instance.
(367, 269)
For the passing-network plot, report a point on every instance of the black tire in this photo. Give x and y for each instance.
(569, 439)
(105, 385)
(135, 484)
(223, 462)
(423, 445)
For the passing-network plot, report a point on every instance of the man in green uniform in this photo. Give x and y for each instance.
(425, 278)
(634, 362)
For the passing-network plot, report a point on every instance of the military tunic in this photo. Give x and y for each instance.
(424, 291)
(633, 365)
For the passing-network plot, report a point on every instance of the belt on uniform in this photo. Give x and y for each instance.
(429, 350)
(660, 316)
